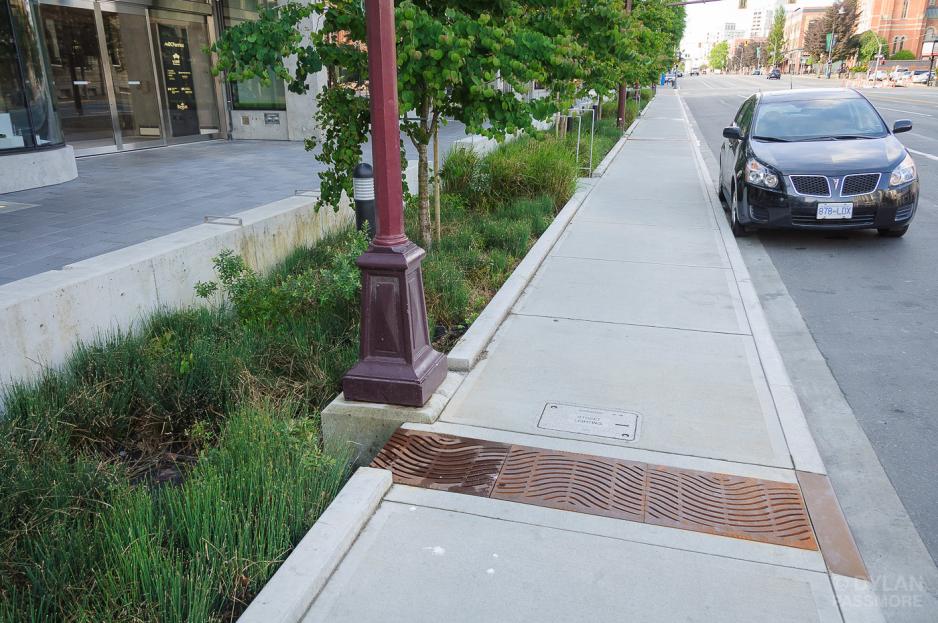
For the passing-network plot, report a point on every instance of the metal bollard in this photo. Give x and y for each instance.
(363, 185)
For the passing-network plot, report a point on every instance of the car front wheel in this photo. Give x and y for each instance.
(898, 232)
(739, 230)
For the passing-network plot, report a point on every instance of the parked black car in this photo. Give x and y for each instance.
(816, 159)
(775, 74)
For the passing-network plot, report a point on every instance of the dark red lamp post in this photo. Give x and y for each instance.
(397, 363)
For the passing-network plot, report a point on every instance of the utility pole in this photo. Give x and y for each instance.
(397, 363)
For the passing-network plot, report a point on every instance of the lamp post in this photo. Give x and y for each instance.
(833, 42)
(397, 363)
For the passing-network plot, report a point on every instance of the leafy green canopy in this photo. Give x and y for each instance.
(719, 54)
(457, 59)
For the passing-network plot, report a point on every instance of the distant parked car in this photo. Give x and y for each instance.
(775, 74)
(694, 71)
(816, 159)
(680, 74)
(879, 74)
(922, 76)
(900, 73)
(756, 72)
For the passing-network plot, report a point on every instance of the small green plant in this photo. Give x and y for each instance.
(259, 302)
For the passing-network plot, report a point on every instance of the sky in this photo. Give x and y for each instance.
(708, 17)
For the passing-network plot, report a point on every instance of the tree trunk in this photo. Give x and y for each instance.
(436, 180)
(423, 195)
(623, 94)
(599, 108)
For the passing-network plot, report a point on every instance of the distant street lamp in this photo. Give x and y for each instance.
(831, 43)
(397, 363)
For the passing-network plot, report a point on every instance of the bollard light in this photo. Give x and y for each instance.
(363, 185)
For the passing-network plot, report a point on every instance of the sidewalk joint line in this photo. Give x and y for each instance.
(632, 324)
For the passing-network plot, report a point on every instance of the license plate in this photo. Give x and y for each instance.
(834, 210)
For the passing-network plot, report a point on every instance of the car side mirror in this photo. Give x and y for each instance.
(902, 125)
(733, 133)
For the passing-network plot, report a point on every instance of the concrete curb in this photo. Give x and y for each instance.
(295, 585)
(801, 445)
(600, 169)
(470, 347)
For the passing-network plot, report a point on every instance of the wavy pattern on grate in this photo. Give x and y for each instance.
(722, 504)
(594, 485)
(746, 508)
(442, 462)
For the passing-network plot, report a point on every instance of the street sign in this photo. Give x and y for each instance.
(830, 40)
(930, 48)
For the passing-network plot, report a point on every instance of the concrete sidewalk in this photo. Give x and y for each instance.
(637, 359)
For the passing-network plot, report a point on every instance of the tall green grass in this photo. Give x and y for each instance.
(193, 552)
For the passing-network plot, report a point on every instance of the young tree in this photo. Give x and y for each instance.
(719, 55)
(775, 46)
(815, 40)
(451, 57)
(871, 44)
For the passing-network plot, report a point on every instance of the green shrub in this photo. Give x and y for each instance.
(448, 292)
(460, 173)
(530, 167)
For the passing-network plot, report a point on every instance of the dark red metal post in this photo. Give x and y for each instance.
(397, 363)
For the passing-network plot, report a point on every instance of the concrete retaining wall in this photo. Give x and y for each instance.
(35, 168)
(42, 317)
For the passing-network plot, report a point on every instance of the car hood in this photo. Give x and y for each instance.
(831, 157)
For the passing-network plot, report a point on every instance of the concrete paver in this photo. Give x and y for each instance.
(638, 309)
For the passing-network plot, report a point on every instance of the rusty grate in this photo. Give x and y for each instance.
(587, 484)
(743, 508)
(442, 462)
(733, 506)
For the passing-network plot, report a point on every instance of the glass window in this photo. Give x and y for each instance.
(252, 94)
(818, 119)
(80, 87)
(27, 114)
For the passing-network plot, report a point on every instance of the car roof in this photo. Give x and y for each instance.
(807, 94)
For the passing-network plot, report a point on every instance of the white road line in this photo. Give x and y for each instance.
(922, 153)
(907, 112)
(927, 138)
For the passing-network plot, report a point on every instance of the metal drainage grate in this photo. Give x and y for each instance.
(442, 462)
(733, 506)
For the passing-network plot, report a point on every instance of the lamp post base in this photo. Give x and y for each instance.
(398, 364)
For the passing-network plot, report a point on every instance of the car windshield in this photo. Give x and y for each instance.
(817, 119)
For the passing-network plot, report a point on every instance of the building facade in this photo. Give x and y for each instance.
(85, 77)
(797, 22)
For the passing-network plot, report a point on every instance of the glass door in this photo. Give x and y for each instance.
(80, 84)
(188, 87)
(136, 93)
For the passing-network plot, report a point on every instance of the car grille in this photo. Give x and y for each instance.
(860, 184)
(815, 185)
(904, 212)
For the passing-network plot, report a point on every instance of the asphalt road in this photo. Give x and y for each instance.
(871, 303)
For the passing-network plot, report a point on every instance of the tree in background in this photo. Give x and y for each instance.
(815, 41)
(719, 54)
(871, 44)
(775, 46)
(903, 55)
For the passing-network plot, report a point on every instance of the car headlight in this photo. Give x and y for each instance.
(760, 175)
(903, 173)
